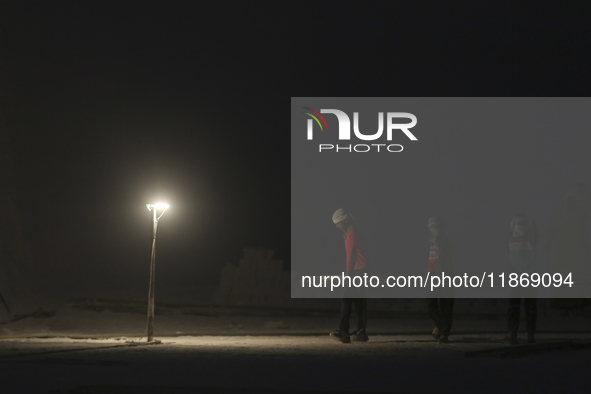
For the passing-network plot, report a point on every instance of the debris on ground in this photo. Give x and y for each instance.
(276, 324)
(38, 314)
(528, 350)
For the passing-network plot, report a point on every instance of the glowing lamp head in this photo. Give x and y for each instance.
(157, 206)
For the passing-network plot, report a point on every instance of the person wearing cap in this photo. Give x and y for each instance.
(522, 259)
(440, 260)
(356, 265)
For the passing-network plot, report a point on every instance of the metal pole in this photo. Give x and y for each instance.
(152, 278)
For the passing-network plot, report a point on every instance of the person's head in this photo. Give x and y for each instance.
(520, 224)
(342, 219)
(435, 225)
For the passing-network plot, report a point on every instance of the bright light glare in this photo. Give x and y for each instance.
(157, 206)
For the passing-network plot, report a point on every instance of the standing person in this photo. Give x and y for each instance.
(522, 259)
(356, 266)
(568, 233)
(440, 260)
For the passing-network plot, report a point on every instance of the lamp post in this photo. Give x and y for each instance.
(154, 208)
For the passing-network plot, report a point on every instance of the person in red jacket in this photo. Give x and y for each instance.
(356, 266)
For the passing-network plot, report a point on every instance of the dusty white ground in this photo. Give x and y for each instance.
(69, 321)
(387, 363)
(82, 351)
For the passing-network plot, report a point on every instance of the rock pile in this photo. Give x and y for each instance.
(258, 280)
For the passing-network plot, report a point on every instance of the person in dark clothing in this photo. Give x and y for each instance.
(522, 259)
(531, 316)
(568, 233)
(440, 260)
(356, 266)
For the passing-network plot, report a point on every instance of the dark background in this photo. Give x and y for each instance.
(108, 106)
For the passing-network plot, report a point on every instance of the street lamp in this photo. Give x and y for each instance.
(154, 208)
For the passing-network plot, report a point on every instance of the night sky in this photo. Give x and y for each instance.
(108, 107)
